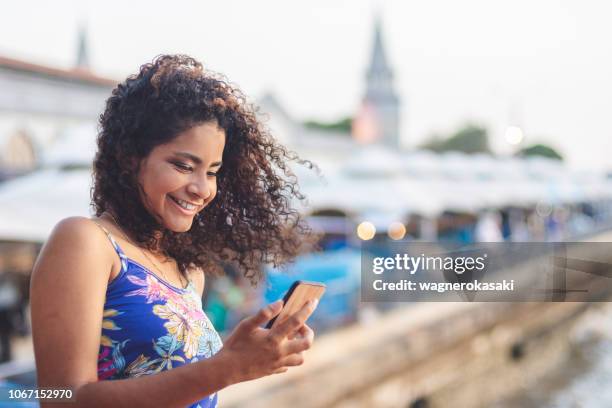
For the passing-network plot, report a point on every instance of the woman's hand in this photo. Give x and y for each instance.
(252, 352)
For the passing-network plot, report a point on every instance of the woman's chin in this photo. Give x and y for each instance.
(179, 225)
(183, 228)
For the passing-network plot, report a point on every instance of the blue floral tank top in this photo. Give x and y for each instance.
(149, 326)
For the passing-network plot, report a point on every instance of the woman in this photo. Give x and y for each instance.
(185, 178)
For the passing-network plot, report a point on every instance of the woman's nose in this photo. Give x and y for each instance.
(200, 187)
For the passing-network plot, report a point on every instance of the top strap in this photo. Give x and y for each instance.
(118, 249)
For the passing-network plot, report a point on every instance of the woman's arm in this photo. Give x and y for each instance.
(68, 292)
(178, 387)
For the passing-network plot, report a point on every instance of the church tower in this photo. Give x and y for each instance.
(82, 60)
(381, 101)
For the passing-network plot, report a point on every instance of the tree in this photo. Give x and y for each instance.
(540, 150)
(342, 125)
(469, 139)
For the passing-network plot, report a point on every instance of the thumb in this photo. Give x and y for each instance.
(263, 316)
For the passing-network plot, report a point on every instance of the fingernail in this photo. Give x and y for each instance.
(314, 303)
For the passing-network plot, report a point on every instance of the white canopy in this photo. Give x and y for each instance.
(31, 205)
(375, 181)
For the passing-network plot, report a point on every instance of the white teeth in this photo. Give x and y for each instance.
(185, 204)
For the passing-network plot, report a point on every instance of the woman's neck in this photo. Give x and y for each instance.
(158, 235)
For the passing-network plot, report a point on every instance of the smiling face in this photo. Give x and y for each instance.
(179, 178)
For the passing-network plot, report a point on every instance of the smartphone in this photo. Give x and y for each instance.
(296, 297)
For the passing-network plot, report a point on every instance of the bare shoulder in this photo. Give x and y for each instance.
(80, 226)
(79, 231)
(75, 237)
(198, 278)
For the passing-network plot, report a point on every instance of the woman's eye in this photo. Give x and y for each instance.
(182, 166)
(212, 174)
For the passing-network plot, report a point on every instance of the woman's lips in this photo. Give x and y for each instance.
(183, 210)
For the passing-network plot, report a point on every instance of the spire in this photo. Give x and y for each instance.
(82, 49)
(378, 62)
(379, 75)
(381, 102)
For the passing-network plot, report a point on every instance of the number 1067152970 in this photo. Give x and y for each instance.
(15, 394)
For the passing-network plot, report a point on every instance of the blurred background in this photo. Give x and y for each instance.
(439, 121)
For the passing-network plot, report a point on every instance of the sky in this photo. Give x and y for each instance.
(543, 65)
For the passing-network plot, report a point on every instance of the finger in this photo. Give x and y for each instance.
(302, 332)
(263, 316)
(306, 332)
(302, 342)
(293, 360)
(280, 370)
(297, 345)
(295, 334)
(293, 322)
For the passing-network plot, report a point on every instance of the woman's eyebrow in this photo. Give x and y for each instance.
(189, 156)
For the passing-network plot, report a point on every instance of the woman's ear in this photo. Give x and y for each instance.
(133, 164)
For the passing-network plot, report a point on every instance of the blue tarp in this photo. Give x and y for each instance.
(339, 270)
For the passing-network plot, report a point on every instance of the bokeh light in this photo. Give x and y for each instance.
(397, 231)
(514, 135)
(366, 230)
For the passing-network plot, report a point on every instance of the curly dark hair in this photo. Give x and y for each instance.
(251, 221)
